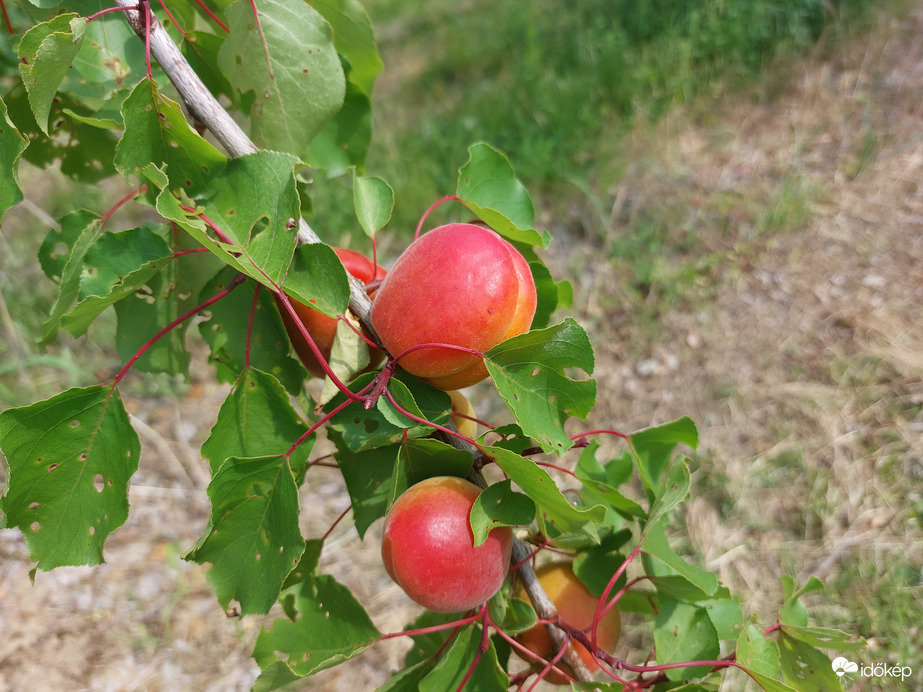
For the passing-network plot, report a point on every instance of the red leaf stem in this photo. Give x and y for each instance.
(179, 320)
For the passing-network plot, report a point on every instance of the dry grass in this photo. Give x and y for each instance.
(798, 354)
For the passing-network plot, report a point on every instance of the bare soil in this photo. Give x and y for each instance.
(803, 370)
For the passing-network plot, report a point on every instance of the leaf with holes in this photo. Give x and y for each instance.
(281, 54)
(257, 419)
(70, 458)
(253, 539)
(529, 372)
(326, 626)
(115, 266)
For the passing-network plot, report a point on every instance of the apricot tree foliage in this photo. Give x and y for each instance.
(108, 90)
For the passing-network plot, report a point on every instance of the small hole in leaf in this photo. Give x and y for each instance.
(98, 482)
(75, 423)
(258, 556)
(83, 457)
(92, 530)
(35, 526)
(52, 467)
(33, 505)
(535, 372)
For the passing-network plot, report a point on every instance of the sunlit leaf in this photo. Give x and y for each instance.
(70, 458)
(487, 184)
(461, 660)
(498, 505)
(374, 200)
(529, 372)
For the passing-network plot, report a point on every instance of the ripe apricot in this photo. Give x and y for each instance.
(461, 405)
(322, 328)
(428, 547)
(458, 284)
(576, 606)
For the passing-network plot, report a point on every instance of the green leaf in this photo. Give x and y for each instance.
(538, 485)
(285, 60)
(257, 419)
(253, 539)
(824, 638)
(166, 296)
(488, 186)
(767, 683)
(256, 191)
(456, 663)
(804, 667)
(595, 566)
(227, 327)
(346, 137)
(368, 476)
(683, 633)
(418, 460)
(599, 482)
(671, 492)
(655, 544)
(408, 679)
(349, 355)
(12, 144)
(368, 428)
(330, 627)
(429, 644)
(551, 294)
(498, 506)
(354, 39)
(374, 200)
(758, 653)
(529, 372)
(115, 266)
(307, 564)
(654, 447)
(200, 49)
(46, 52)
(317, 278)
(725, 615)
(79, 230)
(70, 459)
(156, 131)
(793, 611)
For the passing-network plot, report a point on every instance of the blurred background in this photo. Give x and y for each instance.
(733, 189)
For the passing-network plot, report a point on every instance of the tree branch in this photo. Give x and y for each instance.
(209, 112)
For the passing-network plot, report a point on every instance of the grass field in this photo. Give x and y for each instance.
(740, 213)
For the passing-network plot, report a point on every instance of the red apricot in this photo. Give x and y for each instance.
(428, 547)
(321, 327)
(461, 285)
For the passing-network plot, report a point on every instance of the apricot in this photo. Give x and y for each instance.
(463, 422)
(321, 327)
(576, 606)
(458, 284)
(428, 547)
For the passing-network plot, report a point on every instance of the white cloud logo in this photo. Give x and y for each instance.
(841, 666)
